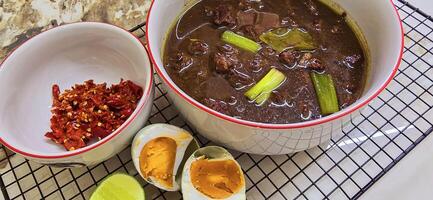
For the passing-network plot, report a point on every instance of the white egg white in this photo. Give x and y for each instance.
(189, 192)
(183, 140)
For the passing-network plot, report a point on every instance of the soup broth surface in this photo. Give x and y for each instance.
(218, 74)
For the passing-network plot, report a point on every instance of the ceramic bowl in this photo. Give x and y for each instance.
(381, 26)
(67, 55)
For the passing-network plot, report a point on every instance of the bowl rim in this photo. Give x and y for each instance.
(297, 125)
(137, 111)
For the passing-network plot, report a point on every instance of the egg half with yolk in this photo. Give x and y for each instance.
(159, 152)
(212, 173)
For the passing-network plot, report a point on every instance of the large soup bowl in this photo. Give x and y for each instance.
(377, 20)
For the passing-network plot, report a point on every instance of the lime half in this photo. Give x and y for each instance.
(118, 187)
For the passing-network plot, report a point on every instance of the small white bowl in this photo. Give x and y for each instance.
(382, 28)
(69, 55)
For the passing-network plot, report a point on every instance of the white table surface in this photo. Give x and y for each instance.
(411, 178)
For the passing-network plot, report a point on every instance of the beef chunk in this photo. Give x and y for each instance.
(225, 59)
(224, 16)
(217, 105)
(246, 17)
(311, 63)
(315, 64)
(223, 63)
(182, 61)
(266, 21)
(256, 23)
(198, 48)
(218, 88)
(312, 7)
(289, 57)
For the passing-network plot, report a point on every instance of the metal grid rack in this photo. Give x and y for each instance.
(392, 125)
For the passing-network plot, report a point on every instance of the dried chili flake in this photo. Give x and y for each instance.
(90, 111)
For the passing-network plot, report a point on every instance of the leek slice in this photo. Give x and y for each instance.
(240, 41)
(326, 93)
(262, 90)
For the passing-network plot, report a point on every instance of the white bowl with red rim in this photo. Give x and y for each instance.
(68, 55)
(381, 25)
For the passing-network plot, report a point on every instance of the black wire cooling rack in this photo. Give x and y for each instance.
(392, 125)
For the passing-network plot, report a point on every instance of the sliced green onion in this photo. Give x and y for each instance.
(262, 98)
(262, 90)
(257, 89)
(240, 41)
(326, 93)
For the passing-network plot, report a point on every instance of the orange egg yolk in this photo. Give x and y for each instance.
(157, 160)
(218, 179)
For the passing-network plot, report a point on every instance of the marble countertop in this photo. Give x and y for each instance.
(21, 19)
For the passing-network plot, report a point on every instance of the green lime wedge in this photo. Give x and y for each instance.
(118, 187)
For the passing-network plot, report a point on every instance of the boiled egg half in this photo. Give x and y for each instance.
(212, 173)
(159, 152)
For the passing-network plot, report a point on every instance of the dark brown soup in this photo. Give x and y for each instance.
(218, 74)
